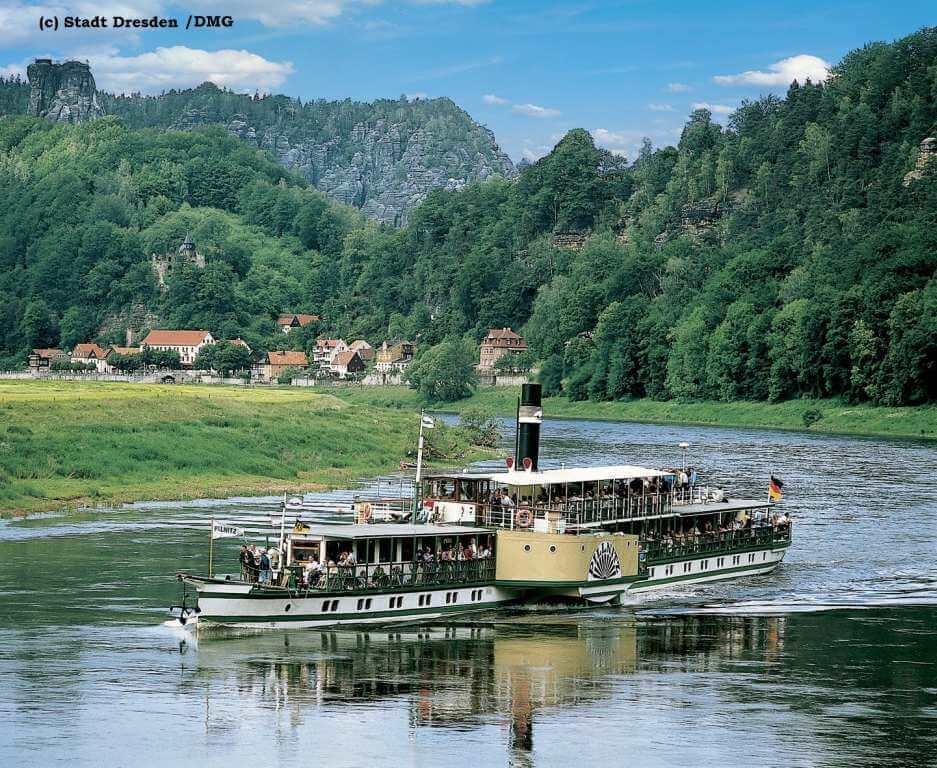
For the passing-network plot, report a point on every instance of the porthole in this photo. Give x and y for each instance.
(527, 547)
(553, 548)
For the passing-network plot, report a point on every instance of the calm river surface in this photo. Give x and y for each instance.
(830, 661)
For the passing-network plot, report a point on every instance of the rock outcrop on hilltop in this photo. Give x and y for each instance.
(63, 93)
(383, 157)
(382, 167)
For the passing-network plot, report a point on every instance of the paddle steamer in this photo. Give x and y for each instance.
(476, 540)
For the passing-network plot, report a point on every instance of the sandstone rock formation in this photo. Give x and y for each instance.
(926, 154)
(64, 93)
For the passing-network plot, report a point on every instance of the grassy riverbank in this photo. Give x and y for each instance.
(71, 443)
(835, 417)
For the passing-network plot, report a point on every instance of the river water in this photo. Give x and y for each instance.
(830, 661)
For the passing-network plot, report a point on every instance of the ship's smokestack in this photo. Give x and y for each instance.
(529, 417)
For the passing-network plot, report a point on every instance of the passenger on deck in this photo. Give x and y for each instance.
(255, 557)
(506, 501)
(485, 552)
(312, 572)
(264, 576)
(247, 561)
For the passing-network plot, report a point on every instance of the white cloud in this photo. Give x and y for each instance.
(621, 142)
(716, 109)
(678, 87)
(782, 72)
(282, 13)
(12, 70)
(182, 67)
(660, 107)
(533, 110)
(490, 98)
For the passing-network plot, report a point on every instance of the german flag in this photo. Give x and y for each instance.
(774, 489)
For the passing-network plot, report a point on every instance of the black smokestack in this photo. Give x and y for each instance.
(529, 417)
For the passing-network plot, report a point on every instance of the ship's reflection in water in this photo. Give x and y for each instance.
(463, 677)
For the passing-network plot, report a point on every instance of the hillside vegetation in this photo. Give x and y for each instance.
(784, 255)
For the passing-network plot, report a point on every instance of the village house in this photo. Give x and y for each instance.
(275, 363)
(42, 359)
(90, 354)
(287, 322)
(499, 342)
(365, 351)
(394, 357)
(186, 343)
(325, 351)
(347, 362)
(123, 351)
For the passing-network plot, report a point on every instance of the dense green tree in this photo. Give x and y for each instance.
(445, 372)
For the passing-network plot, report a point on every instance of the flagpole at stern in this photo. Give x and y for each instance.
(211, 544)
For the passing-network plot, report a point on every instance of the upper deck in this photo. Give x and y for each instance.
(569, 500)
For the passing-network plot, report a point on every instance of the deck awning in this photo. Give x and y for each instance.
(713, 507)
(577, 475)
(384, 531)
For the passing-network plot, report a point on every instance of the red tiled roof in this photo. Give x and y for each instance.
(48, 352)
(175, 338)
(329, 342)
(88, 350)
(239, 341)
(344, 358)
(303, 320)
(289, 357)
(123, 350)
(502, 333)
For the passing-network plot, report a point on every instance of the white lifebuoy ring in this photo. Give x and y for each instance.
(523, 518)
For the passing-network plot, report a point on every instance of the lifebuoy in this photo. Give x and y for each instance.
(523, 518)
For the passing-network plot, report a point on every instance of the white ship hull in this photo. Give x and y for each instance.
(231, 606)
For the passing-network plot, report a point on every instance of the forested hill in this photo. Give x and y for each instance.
(791, 252)
(382, 157)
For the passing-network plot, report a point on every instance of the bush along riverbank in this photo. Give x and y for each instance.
(70, 444)
(825, 416)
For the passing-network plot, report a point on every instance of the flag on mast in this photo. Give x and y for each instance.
(774, 489)
(222, 531)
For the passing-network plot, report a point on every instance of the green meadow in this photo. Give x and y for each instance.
(70, 444)
(826, 416)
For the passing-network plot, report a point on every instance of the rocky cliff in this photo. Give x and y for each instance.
(382, 157)
(64, 93)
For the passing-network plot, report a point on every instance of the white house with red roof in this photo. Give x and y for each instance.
(186, 343)
(90, 354)
(325, 351)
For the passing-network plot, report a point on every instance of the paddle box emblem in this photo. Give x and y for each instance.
(605, 563)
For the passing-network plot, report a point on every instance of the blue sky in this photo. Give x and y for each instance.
(528, 70)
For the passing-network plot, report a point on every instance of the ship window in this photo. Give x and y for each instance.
(325, 605)
(764, 555)
(455, 597)
(367, 603)
(360, 604)
(553, 548)
(652, 573)
(429, 599)
(421, 600)
(527, 547)
(286, 608)
(334, 606)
